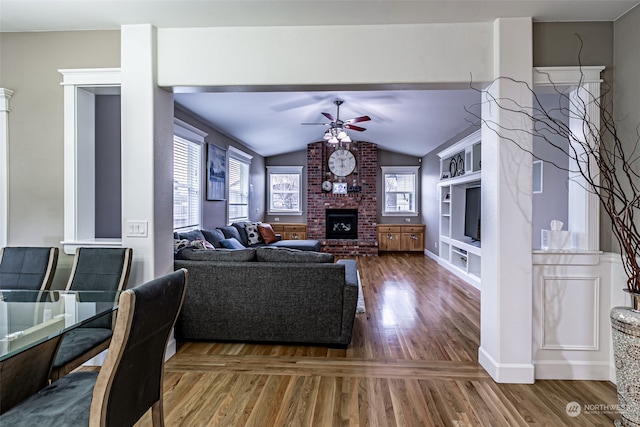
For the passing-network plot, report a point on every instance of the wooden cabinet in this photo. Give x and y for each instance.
(412, 238)
(401, 237)
(290, 231)
(388, 238)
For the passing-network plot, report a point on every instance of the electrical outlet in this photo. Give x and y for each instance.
(276, 219)
(407, 220)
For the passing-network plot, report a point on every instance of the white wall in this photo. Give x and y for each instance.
(377, 54)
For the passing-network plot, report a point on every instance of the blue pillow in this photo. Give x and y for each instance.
(231, 243)
(191, 235)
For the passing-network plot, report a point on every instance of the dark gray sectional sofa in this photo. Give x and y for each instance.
(267, 294)
(236, 231)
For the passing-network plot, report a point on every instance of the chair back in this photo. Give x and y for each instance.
(100, 269)
(27, 268)
(130, 380)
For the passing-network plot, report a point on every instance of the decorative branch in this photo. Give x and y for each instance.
(598, 155)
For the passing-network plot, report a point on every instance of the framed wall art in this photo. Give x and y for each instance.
(216, 172)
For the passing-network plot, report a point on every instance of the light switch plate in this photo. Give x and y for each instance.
(137, 229)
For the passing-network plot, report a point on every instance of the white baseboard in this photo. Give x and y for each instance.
(512, 373)
(572, 370)
(431, 255)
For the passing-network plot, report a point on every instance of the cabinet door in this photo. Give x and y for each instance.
(412, 241)
(294, 232)
(389, 241)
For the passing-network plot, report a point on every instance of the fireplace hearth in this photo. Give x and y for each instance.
(342, 223)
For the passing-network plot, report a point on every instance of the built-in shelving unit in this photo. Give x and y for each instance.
(459, 253)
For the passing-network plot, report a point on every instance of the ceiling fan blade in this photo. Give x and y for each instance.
(352, 127)
(323, 124)
(329, 116)
(358, 119)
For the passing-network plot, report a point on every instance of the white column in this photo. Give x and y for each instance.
(5, 94)
(506, 322)
(147, 155)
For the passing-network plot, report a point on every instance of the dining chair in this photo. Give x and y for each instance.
(94, 269)
(27, 268)
(130, 380)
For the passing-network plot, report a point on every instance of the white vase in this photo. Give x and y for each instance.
(625, 324)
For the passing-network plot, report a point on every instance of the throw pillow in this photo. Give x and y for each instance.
(270, 254)
(191, 235)
(253, 235)
(241, 232)
(267, 233)
(231, 243)
(201, 244)
(230, 231)
(214, 236)
(180, 244)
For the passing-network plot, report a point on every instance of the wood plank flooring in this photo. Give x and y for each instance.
(412, 362)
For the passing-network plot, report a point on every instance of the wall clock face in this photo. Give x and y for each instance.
(342, 162)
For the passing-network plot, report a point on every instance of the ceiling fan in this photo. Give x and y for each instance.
(336, 132)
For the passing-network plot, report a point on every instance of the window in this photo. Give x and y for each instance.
(400, 190)
(238, 185)
(187, 170)
(284, 189)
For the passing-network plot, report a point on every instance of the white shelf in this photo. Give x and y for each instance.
(458, 253)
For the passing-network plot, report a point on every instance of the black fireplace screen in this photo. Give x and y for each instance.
(342, 223)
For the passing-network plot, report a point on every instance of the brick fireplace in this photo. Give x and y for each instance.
(363, 202)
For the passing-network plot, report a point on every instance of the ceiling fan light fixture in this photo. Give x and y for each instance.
(327, 135)
(342, 134)
(346, 138)
(333, 140)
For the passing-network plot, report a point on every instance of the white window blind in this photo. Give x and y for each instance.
(186, 183)
(239, 164)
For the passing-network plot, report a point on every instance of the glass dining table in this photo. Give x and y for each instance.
(32, 324)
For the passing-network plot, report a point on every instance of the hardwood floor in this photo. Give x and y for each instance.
(412, 362)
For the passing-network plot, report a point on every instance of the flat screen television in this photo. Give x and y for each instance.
(472, 213)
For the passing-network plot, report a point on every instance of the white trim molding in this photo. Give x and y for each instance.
(284, 170)
(80, 87)
(5, 95)
(582, 84)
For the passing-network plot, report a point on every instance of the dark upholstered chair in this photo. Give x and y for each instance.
(130, 380)
(94, 269)
(27, 268)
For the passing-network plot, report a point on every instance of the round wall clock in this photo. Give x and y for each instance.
(342, 162)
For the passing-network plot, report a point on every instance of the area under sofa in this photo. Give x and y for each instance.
(268, 294)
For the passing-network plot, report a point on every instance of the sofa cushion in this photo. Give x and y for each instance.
(270, 254)
(267, 233)
(230, 231)
(191, 235)
(232, 255)
(231, 243)
(214, 236)
(240, 226)
(253, 234)
(303, 245)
